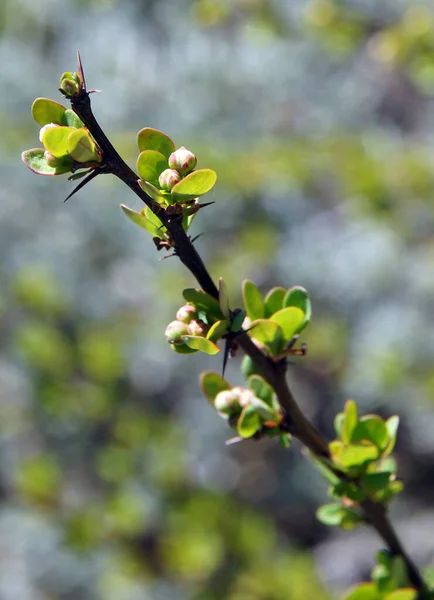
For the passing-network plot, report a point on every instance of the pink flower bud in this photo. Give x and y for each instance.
(186, 313)
(197, 328)
(227, 402)
(182, 160)
(168, 179)
(174, 332)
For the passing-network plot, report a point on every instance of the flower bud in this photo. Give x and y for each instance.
(45, 128)
(174, 332)
(168, 179)
(186, 313)
(227, 402)
(70, 87)
(182, 160)
(197, 328)
(52, 161)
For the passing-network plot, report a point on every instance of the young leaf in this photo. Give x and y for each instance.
(392, 427)
(200, 343)
(218, 330)
(157, 195)
(373, 429)
(402, 594)
(143, 222)
(330, 514)
(298, 296)
(261, 388)
(289, 320)
(350, 420)
(34, 159)
(81, 146)
(253, 302)
(274, 301)
(224, 298)
(152, 139)
(265, 412)
(364, 591)
(203, 301)
(70, 119)
(46, 111)
(196, 184)
(150, 165)
(269, 334)
(147, 212)
(55, 140)
(212, 383)
(248, 422)
(353, 455)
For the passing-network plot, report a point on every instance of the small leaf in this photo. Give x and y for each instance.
(70, 119)
(248, 367)
(338, 424)
(147, 212)
(157, 195)
(196, 184)
(224, 298)
(298, 296)
(392, 427)
(373, 429)
(203, 301)
(55, 140)
(364, 591)
(253, 302)
(265, 412)
(35, 161)
(213, 383)
(274, 300)
(200, 343)
(269, 334)
(261, 388)
(46, 111)
(143, 222)
(81, 146)
(402, 594)
(353, 455)
(152, 139)
(350, 420)
(375, 481)
(330, 514)
(248, 422)
(150, 165)
(218, 330)
(289, 320)
(238, 320)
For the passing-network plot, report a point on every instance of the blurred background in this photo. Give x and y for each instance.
(318, 116)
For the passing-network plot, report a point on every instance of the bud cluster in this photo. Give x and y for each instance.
(181, 163)
(187, 322)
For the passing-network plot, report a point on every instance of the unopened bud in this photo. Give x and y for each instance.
(227, 402)
(168, 179)
(197, 328)
(174, 332)
(182, 160)
(186, 313)
(46, 128)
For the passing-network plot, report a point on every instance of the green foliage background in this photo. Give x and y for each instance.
(318, 117)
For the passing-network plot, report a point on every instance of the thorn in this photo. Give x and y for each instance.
(196, 238)
(82, 183)
(80, 71)
(168, 256)
(228, 345)
(234, 440)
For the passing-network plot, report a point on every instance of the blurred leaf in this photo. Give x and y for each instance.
(248, 422)
(372, 429)
(350, 421)
(224, 298)
(212, 383)
(261, 388)
(353, 455)
(100, 355)
(44, 348)
(38, 478)
(364, 591)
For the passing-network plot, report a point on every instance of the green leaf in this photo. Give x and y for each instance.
(269, 334)
(237, 320)
(392, 427)
(143, 222)
(200, 343)
(55, 140)
(152, 139)
(248, 367)
(46, 111)
(265, 412)
(224, 298)
(325, 470)
(248, 422)
(261, 388)
(203, 301)
(330, 514)
(297, 296)
(147, 212)
(402, 594)
(150, 165)
(350, 420)
(193, 185)
(375, 481)
(70, 119)
(372, 429)
(81, 146)
(338, 424)
(253, 302)
(35, 161)
(218, 330)
(157, 195)
(182, 349)
(353, 455)
(289, 320)
(274, 300)
(212, 383)
(364, 591)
